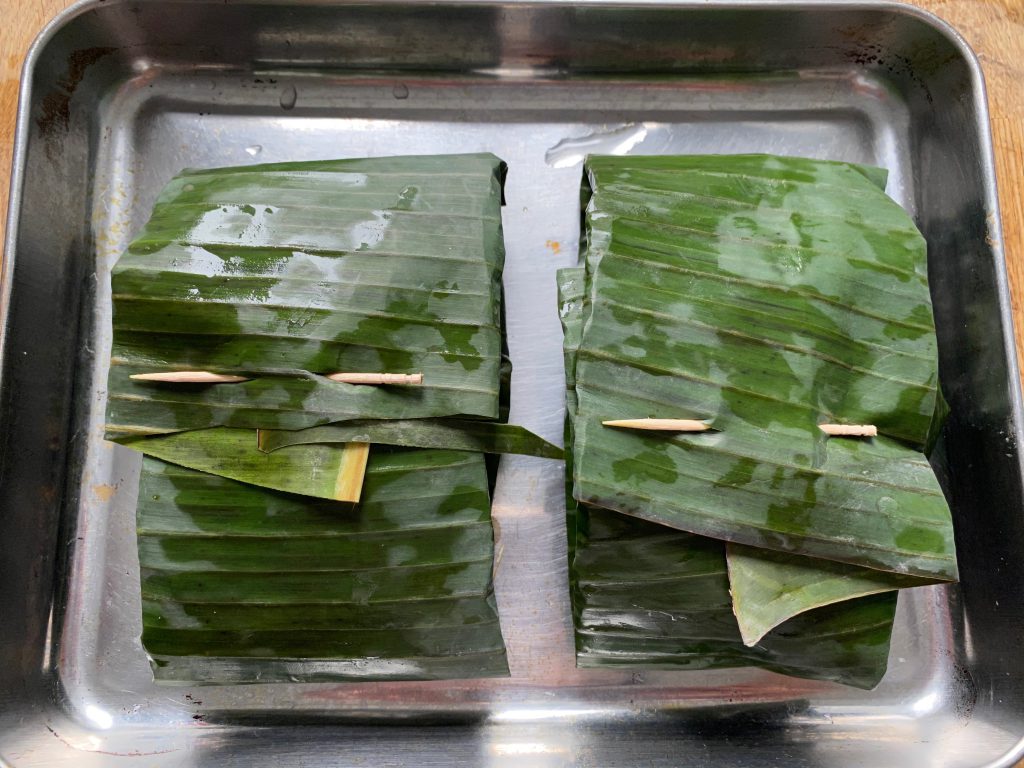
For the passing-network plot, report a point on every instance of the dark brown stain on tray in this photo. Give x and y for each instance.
(55, 110)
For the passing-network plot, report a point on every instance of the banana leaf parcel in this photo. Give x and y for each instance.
(252, 569)
(243, 584)
(290, 271)
(764, 296)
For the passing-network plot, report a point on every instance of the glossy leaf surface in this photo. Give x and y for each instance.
(239, 583)
(724, 300)
(648, 596)
(767, 295)
(282, 272)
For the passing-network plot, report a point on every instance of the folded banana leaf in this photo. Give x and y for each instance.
(283, 272)
(312, 470)
(317, 461)
(649, 596)
(241, 584)
(767, 295)
(456, 434)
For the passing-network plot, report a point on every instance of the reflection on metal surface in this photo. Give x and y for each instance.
(526, 748)
(534, 715)
(618, 141)
(100, 717)
(927, 704)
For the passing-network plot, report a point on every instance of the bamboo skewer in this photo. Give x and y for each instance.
(849, 430)
(206, 377)
(660, 425)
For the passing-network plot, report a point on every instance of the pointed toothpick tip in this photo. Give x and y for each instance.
(660, 425)
(849, 430)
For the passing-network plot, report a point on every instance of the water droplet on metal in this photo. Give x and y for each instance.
(400, 91)
(288, 97)
(255, 149)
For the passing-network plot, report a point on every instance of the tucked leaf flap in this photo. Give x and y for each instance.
(769, 588)
(645, 596)
(311, 470)
(456, 434)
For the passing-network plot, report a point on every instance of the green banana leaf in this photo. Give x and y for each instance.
(767, 295)
(456, 434)
(282, 272)
(312, 462)
(645, 595)
(770, 587)
(241, 584)
(310, 470)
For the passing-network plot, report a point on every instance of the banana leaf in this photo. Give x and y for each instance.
(456, 434)
(645, 595)
(770, 587)
(321, 471)
(316, 462)
(766, 295)
(241, 584)
(282, 272)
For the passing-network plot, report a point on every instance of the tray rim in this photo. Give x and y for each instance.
(979, 107)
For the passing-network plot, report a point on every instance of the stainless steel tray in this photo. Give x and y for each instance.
(118, 96)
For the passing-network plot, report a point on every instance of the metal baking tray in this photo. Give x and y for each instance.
(118, 96)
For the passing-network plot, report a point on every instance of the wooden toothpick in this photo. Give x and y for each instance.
(695, 425)
(189, 377)
(849, 430)
(660, 425)
(377, 378)
(206, 377)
